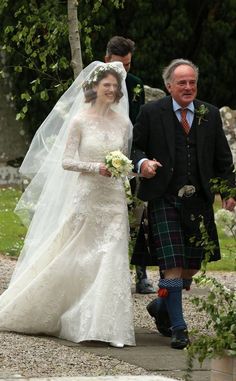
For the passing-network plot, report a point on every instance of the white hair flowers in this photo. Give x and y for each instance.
(94, 78)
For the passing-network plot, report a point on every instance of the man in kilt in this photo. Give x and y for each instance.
(178, 147)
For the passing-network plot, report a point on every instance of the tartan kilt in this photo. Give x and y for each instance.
(168, 245)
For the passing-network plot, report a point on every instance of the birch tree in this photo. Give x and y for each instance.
(74, 37)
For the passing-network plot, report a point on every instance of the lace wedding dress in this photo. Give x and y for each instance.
(78, 287)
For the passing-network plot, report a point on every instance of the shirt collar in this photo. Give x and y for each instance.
(176, 106)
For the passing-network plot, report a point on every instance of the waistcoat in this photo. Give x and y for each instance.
(186, 171)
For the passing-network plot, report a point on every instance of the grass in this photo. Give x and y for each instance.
(228, 249)
(12, 232)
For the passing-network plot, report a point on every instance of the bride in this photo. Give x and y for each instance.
(72, 278)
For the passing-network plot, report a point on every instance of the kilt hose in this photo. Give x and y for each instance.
(171, 233)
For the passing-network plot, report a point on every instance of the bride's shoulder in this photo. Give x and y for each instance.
(123, 119)
(78, 120)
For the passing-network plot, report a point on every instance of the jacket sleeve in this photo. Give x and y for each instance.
(140, 137)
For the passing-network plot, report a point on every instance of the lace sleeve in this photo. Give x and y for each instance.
(69, 162)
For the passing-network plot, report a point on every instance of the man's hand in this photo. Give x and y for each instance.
(149, 168)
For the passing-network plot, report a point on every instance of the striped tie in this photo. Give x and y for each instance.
(184, 122)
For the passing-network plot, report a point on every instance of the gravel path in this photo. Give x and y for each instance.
(31, 356)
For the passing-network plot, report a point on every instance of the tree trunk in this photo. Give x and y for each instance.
(74, 37)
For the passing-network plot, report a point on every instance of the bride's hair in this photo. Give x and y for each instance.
(96, 77)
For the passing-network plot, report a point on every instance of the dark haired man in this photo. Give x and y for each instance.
(121, 49)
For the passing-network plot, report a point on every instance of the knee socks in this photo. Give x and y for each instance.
(173, 301)
(186, 286)
(186, 281)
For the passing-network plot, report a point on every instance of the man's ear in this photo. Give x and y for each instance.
(168, 87)
(106, 59)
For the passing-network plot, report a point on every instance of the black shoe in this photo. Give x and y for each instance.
(162, 319)
(144, 286)
(179, 339)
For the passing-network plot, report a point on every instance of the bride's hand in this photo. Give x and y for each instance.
(103, 171)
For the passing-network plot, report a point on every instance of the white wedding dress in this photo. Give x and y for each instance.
(78, 287)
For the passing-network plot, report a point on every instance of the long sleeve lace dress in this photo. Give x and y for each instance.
(78, 288)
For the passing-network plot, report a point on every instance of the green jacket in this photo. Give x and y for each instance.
(136, 95)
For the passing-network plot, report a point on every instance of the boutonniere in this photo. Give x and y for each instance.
(201, 112)
(137, 90)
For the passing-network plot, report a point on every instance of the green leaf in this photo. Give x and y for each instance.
(18, 69)
(44, 95)
(26, 96)
(9, 29)
(25, 109)
(20, 115)
(54, 66)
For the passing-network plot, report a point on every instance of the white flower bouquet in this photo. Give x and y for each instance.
(118, 164)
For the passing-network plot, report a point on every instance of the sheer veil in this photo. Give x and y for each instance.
(48, 200)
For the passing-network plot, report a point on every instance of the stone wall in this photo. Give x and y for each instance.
(229, 124)
(9, 175)
(152, 93)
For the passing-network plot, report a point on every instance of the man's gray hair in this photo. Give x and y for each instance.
(168, 70)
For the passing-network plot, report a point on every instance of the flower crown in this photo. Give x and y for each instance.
(96, 74)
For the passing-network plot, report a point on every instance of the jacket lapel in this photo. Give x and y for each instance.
(169, 126)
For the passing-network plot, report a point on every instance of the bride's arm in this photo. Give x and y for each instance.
(68, 161)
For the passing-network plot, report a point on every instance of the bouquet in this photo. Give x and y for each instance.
(118, 164)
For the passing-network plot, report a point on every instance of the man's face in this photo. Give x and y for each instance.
(126, 60)
(183, 85)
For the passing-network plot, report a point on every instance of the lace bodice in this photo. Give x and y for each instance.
(91, 138)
